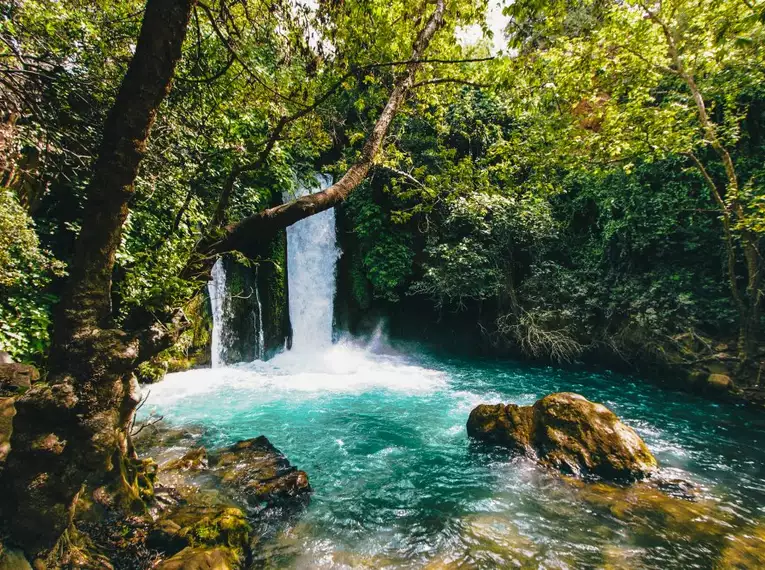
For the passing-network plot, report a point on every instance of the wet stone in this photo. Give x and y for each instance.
(567, 432)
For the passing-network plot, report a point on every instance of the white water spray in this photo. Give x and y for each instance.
(311, 260)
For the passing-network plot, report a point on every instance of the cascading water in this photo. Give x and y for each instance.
(217, 289)
(312, 258)
(311, 261)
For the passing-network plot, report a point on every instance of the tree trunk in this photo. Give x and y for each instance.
(750, 323)
(74, 430)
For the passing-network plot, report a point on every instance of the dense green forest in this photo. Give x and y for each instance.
(595, 184)
(584, 184)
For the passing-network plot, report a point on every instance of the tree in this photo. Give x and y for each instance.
(649, 80)
(75, 429)
(77, 426)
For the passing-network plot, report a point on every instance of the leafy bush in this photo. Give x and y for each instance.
(25, 271)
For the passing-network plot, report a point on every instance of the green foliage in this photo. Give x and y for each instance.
(554, 193)
(25, 271)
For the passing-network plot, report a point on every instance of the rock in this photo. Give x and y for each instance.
(696, 377)
(261, 472)
(201, 525)
(17, 378)
(194, 460)
(719, 382)
(5, 358)
(745, 550)
(644, 508)
(7, 411)
(202, 559)
(13, 560)
(567, 432)
(510, 426)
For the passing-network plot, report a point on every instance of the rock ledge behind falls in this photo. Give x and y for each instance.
(568, 432)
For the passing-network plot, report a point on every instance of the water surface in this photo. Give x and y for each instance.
(397, 484)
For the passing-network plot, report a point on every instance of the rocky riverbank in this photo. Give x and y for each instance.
(193, 510)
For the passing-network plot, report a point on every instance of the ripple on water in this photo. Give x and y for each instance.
(397, 484)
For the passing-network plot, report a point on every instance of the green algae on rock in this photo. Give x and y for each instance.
(568, 432)
(202, 558)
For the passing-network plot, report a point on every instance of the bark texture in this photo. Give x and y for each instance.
(75, 428)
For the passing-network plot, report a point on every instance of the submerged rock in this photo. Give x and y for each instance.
(260, 472)
(745, 550)
(202, 558)
(568, 432)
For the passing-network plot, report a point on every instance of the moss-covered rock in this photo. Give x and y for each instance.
(644, 508)
(567, 432)
(15, 379)
(198, 524)
(260, 472)
(719, 383)
(193, 460)
(202, 558)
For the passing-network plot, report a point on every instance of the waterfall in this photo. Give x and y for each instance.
(259, 320)
(217, 289)
(311, 259)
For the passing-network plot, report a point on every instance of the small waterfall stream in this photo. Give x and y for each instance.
(217, 289)
(311, 263)
(259, 319)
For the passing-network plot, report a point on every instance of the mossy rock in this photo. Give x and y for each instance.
(261, 473)
(568, 432)
(202, 558)
(193, 460)
(720, 383)
(15, 379)
(696, 378)
(645, 508)
(201, 525)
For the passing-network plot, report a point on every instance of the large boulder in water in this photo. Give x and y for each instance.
(261, 473)
(568, 432)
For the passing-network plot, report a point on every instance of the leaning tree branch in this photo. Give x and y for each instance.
(263, 225)
(219, 217)
(454, 80)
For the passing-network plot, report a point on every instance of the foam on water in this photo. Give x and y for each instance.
(343, 368)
